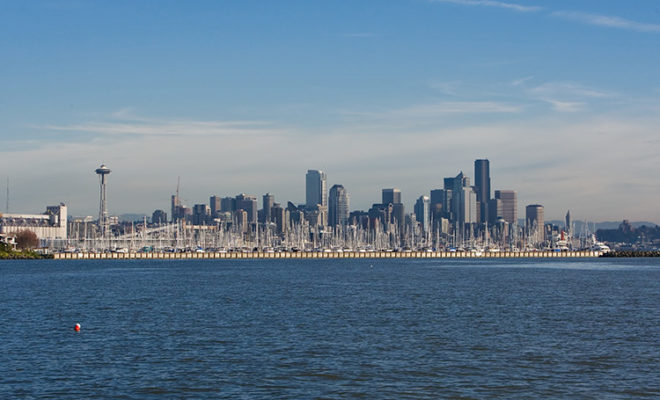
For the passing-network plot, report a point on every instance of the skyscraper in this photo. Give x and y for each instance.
(268, 200)
(248, 204)
(423, 212)
(509, 205)
(214, 202)
(482, 187)
(315, 188)
(338, 206)
(392, 196)
(535, 223)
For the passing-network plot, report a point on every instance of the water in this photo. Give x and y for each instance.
(386, 329)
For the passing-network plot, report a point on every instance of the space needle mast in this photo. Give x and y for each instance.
(102, 171)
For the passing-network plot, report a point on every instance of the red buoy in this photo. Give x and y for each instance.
(77, 328)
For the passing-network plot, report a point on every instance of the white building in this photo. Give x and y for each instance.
(47, 226)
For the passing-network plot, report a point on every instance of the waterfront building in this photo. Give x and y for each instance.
(509, 200)
(423, 212)
(51, 225)
(534, 223)
(482, 187)
(315, 188)
(338, 206)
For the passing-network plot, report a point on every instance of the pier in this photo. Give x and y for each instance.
(325, 255)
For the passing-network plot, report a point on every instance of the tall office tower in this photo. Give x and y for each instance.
(453, 195)
(392, 196)
(437, 205)
(468, 206)
(509, 205)
(495, 211)
(423, 212)
(278, 215)
(228, 204)
(315, 188)
(247, 203)
(268, 200)
(201, 214)
(214, 202)
(338, 206)
(535, 223)
(482, 187)
(568, 223)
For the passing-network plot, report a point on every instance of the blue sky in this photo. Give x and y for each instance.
(244, 96)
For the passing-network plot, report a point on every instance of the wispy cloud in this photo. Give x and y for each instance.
(492, 3)
(459, 107)
(125, 123)
(521, 81)
(569, 89)
(565, 106)
(606, 21)
(567, 96)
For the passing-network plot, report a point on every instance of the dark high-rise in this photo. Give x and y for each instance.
(338, 206)
(391, 196)
(482, 187)
(214, 202)
(269, 201)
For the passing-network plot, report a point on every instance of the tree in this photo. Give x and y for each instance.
(26, 239)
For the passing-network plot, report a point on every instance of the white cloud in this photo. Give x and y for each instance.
(126, 124)
(521, 81)
(606, 21)
(565, 106)
(492, 3)
(569, 89)
(458, 107)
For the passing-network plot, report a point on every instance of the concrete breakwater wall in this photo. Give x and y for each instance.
(324, 255)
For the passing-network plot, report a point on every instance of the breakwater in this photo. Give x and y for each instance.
(324, 255)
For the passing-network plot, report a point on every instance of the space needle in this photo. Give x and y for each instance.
(102, 171)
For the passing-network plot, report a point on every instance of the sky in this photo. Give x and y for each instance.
(563, 98)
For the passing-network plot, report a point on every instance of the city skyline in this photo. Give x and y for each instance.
(562, 98)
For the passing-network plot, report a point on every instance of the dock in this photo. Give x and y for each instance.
(324, 255)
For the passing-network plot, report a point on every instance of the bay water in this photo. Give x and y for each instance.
(330, 329)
